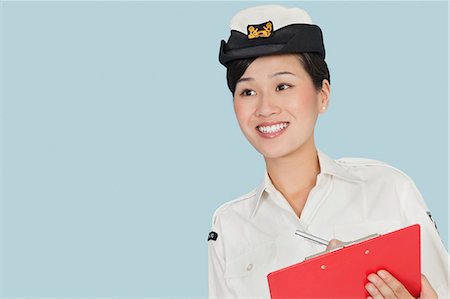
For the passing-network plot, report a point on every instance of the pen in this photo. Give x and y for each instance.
(311, 237)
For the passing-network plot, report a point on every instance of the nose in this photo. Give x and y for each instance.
(267, 106)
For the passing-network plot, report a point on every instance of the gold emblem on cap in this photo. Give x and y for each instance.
(261, 30)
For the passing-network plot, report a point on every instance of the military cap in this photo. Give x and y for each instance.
(268, 30)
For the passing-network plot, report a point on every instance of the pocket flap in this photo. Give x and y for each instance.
(257, 260)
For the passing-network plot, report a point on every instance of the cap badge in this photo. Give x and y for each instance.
(260, 30)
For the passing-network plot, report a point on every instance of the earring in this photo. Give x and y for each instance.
(323, 107)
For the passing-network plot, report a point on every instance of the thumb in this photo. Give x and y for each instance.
(427, 291)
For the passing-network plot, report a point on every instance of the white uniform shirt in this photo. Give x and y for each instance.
(352, 198)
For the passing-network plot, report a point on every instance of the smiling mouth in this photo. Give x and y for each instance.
(273, 129)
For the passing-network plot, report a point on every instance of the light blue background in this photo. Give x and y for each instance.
(118, 138)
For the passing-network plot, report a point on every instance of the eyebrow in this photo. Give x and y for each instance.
(246, 79)
(283, 73)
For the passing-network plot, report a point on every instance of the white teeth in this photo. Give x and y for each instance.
(272, 128)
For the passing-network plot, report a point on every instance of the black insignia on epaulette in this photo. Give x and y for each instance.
(431, 217)
(212, 236)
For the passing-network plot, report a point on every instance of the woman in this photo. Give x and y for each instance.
(281, 84)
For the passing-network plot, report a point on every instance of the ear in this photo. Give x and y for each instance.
(324, 96)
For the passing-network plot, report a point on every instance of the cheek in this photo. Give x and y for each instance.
(306, 104)
(243, 112)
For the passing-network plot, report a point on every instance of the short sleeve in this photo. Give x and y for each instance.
(435, 259)
(217, 287)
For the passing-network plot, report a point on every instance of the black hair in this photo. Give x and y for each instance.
(313, 63)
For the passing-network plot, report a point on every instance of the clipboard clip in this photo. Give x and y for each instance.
(344, 244)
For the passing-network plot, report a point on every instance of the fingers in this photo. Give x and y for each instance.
(378, 289)
(384, 285)
(427, 291)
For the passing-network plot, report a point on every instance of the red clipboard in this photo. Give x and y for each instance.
(343, 273)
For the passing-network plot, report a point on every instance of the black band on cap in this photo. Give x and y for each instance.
(296, 38)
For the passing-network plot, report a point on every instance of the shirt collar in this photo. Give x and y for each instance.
(327, 166)
(331, 167)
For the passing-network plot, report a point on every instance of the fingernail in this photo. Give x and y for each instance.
(372, 278)
(369, 287)
(382, 274)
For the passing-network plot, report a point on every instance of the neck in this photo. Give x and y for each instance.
(295, 175)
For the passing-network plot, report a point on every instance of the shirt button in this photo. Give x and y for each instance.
(249, 267)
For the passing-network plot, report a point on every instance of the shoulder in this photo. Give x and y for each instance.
(241, 204)
(371, 169)
(384, 181)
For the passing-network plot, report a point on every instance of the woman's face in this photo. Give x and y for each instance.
(277, 105)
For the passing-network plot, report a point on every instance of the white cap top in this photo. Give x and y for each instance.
(279, 15)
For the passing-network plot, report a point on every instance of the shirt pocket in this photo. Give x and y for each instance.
(257, 260)
(354, 231)
(246, 275)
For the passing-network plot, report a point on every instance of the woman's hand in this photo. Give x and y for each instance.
(383, 285)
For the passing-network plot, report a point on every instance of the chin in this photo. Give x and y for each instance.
(274, 153)
(281, 150)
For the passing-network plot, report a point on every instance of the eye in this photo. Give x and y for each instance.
(283, 86)
(248, 92)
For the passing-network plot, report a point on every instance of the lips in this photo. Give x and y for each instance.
(271, 130)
